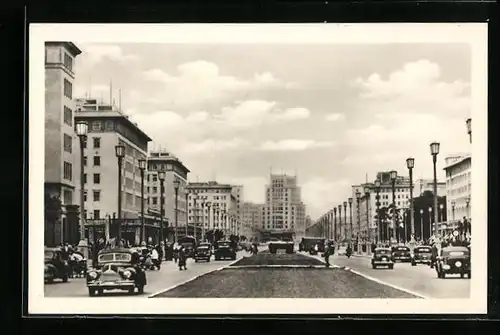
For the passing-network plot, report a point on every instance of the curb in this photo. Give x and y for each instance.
(285, 266)
(193, 278)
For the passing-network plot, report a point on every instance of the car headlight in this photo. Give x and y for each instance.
(92, 275)
(127, 274)
(458, 264)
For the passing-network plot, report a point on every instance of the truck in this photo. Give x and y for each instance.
(284, 243)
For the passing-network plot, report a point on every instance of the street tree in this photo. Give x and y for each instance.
(53, 211)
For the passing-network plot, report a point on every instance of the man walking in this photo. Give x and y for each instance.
(154, 258)
(182, 258)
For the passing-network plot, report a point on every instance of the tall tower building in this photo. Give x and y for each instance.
(61, 143)
(284, 212)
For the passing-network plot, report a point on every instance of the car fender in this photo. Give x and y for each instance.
(50, 268)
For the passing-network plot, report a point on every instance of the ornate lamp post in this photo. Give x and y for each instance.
(441, 210)
(120, 153)
(340, 222)
(468, 122)
(358, 198)
(430, 221)
(335, 223)
(345, 219)
(394, 175)
(434, 153)
(421, 224)
(202, 206)
(349, 200)
(161, 177)
(367, 196)
(142, 167)
(176, 189)
(377, 204)
(410, 163)
(186, 219)
(467, 204)
(453, 203)
(82, 128)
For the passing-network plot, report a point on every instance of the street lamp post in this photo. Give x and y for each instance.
(377, 204)
(335, 223)
(394, 175)
(120, 153)
(358, 198)
(422, 225)
(468, 122)
(350, 217)
(430, 221)
(367, 197)
(434, 153)
(186, 219)
(467, 204)
(410, 163)
(208, 204)
(142, 167)
(345, 218)
(161, 177)
(176, 189)
(202, 206)
(453, 203)
(340, 222)
(441, 212)
(82, 128)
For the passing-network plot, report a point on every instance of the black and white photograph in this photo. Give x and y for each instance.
(304, 168)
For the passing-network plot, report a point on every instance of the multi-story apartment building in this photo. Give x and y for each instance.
(283, 212)
(237, 192)
(251, 218)
(422, 185)
(174, 170)
(107, 128)
(458, 188)
(213, 206)
(62, 162)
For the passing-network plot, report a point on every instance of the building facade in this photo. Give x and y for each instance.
(213, 206)
(422, 185)
(62, 162)
(251, 218)
(283, 212)
(175, 209)
(107, 128)
(458, 188)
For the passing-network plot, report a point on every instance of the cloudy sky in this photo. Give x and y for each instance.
(331, 113)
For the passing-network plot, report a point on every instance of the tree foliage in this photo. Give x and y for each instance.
(53, 208)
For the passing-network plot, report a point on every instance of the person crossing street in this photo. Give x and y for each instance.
(182, 258)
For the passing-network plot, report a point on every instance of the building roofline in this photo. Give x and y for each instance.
(69, 45)
(458, 161)
(172, 159)
(114, 115)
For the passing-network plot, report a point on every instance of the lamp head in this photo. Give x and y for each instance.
(142, 164)
(377, 183)
(161, 175)
(358, 194)
(176, 184)
(434, 148)
(367, 190)
(393, 174)
(120, 151)
(82, 128)
(350, 201)
(468, 122)
(345, 204)
(410, 162)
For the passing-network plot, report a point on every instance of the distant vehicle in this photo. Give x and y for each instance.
(453, 260)
(224, 249)
(189, 244)
(286, 244)
(401, 253)
(202, 252)
(382, 257)
(115, 270)
(55, 266)
(308, 244)
(421, 255)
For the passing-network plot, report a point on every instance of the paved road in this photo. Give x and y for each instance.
(420, 279)
(283, 276)
(168, 276)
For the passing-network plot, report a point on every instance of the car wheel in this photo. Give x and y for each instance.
(462, 274)
(196, 261)
(92, 292)
(100, 291)
(391, 267)
(468, 274)
(50, 280)
(208, 259)
(374, 266)
(131, 290)
(413, 264)
(65, 278)
(140, 289)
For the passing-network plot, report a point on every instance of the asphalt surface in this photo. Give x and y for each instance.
(283, 282)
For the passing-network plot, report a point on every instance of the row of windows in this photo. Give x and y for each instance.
(96, 142)
(96, 195)
(96, 178)
(96, 160)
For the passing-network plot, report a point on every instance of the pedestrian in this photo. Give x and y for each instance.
(159, 249)
(154, 258)
(327, 255)
(182, 258)
(176, 252)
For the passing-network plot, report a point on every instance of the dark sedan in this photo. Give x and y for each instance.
(453, 260)
(401, 253)
(421, 255)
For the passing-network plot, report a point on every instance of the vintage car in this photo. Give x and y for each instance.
(117, 269)
(382, 257)
(284, 244)
(453, 260)
(202, 252)
(55, 266)
(189, 244)
(421, 255)
(307, 244)
(401, 253)
(224, 249)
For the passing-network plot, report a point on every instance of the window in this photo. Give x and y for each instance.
(68, 143)
(97, 160)
(68, 61)
(155, 189)
(97, 178)
(97, 142)
(68, 197)
(68, 171)
(97, 195)
(68, 116)
(155, 200)
(68, 89)
(110, 126)
(96, 125)
(85, 178)
(85, 198)
(97, 214)
(84, 160)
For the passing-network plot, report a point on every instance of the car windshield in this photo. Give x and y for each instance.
(115, 257)
(223, 244)
(455, 253)
(49, 254)
(382, 252)
(203, 247)
(423, 250)
(402, 249)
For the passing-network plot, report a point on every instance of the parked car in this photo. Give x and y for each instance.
(307, 244)
(224, 249)
(382, 257)
(202, 252)
(401, 253)
(421, 255)
(55, 266)
(116, 270)
(453, 260)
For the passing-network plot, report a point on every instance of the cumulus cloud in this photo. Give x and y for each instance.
(94, 53)
(211, 145)
(201, 81)
(332, 117)
(294, 145)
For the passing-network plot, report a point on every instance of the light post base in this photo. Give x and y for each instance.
(83, 247)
